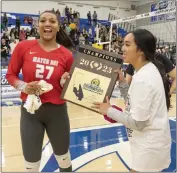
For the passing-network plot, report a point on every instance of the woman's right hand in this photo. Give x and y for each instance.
(32, 87)
(64, 77)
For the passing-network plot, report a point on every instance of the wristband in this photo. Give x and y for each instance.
(62, 82)
(110, 119)
(21, 86)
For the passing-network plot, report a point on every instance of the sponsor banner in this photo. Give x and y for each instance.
(8, 91)
(162, 5)
(146, 15)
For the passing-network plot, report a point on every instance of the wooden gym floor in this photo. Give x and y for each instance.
(96, 145)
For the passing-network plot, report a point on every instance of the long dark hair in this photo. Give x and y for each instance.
(61, 37)
(146, 42)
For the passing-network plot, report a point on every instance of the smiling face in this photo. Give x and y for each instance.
(48, 26)
(130, 51)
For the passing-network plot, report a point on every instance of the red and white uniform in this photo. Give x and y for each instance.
(38, 64)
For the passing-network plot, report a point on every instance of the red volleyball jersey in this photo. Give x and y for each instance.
(37, 64)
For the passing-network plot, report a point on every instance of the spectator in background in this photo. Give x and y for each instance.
(18, 23)
(66, 10)
(58, 15)
(95, 18)
(120, 39)
(75, 14)
(163, 50)
(68, 29)
(78, 19)
(75, 17)
(89, 18)
(78, 15)
(75, 36)
(5, 49)
(84, 31)
(25, 20)
(117, 50)
(106, 47)
(114, 36)
(5, 36)
(167, 52)
(107, 28)
(67, 14)
(81, 39)
(30, 20)
(70, 15)
(86, 35)
(97, 31)
(22, 35)
(58, 11)
(90, 32)
(70, 10)
(114, 27)
(12, 35)
(27, 33)
(173, 54)
(170, 70)
(65, 21)
(34, 33)
(2, 27)
(16, 34)
(101, 34)
(5, 21)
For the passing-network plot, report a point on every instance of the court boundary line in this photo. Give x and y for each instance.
(101, 127)
(118, 155)
(87, 128)
(93, 128)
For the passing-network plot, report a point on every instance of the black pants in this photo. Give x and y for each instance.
(52, 118)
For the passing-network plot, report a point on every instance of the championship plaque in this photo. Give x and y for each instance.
(92, 77)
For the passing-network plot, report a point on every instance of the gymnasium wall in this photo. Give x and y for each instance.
(164, 29)
(103, 8)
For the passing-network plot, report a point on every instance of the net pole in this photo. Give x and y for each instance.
(97, 33)
(110, 36)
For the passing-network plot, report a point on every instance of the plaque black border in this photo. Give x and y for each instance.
(114, 76)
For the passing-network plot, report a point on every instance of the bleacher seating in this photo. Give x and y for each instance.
(83, 22)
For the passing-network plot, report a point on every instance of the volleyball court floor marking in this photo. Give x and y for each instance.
(93, 143)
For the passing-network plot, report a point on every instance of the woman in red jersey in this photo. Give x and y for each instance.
(43, 59)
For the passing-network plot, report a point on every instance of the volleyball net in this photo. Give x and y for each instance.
(161, 23)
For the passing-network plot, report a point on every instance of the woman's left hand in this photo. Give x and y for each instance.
(102, 107)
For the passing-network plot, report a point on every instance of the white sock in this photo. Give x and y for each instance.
(64, 161)
(32, 166)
